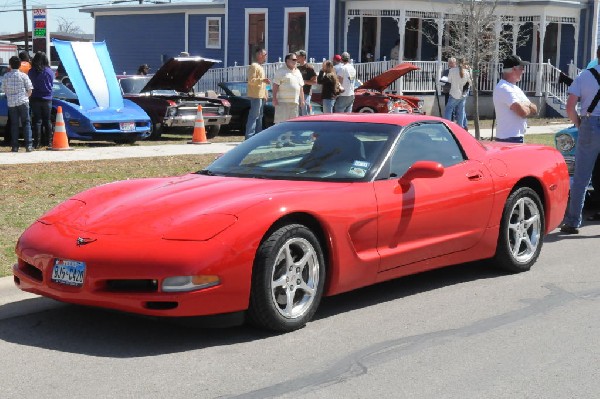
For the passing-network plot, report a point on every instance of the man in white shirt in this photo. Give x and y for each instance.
(346, 76)
(511, 104)
(287, 90)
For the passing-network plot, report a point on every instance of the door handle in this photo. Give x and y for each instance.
(474, 175)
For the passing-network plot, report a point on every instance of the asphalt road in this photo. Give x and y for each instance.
(463, 332)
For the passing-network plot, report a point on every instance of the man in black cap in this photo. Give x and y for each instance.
(511, 104)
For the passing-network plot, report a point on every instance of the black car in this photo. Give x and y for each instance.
(237, 95)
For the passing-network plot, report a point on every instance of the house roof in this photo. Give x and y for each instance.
(170, 7)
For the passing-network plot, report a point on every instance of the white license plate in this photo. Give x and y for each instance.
(127, 126)
(68, 272)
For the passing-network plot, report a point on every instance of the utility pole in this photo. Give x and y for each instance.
(25, 27)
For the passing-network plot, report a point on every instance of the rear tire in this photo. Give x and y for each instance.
(287, 280)
(521, 232)
(155, 131)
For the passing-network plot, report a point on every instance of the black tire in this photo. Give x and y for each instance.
(244, 122)
(366, 110)
(212, 131)
(278, 276)
(521, 234)
(155, 131)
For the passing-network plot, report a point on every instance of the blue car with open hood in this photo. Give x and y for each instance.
(99, 111)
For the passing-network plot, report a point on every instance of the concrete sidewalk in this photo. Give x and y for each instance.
(84, 154)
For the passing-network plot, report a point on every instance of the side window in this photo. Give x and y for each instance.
(427, 142)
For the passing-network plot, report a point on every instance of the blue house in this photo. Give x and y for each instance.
(230, 30)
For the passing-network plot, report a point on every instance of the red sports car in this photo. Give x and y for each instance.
(370, 97)
(314, 206)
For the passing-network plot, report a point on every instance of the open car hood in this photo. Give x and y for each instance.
(92, 74)
(382, 81)
(180, 74)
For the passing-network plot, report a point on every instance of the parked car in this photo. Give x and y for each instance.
(168, 97)
(237, 95)
(370, 96)
(565, 141)
(344, 201)
(125, 125)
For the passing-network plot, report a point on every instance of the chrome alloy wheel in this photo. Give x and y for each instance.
(295, 278)
(524, 229)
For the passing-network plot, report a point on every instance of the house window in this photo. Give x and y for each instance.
(213, 32)
(296, 29)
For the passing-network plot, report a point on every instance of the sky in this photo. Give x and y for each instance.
(12, 21)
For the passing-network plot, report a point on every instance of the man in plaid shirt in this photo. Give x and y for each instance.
(18, 88)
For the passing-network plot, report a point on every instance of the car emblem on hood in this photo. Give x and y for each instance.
(84, 241)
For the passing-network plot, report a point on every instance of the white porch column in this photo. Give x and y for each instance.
(558, 40)
(401, 21)
(534, 45)
(538, 84)
(498, 25)
(440, 44)
(576, 34)
(515, 36)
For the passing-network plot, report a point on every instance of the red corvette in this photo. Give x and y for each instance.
(310, 207)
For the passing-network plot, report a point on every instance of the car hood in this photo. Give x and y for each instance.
(153, 207)
(180, 74)
(382, 81)
(92, 74)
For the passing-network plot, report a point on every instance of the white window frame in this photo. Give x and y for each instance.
(249, 11)
(207, 41)
(287, 12)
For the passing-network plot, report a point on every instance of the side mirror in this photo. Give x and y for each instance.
(422, 170)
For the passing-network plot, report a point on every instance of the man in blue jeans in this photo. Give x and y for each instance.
(18, 88)
(585, 88)
(257, 92)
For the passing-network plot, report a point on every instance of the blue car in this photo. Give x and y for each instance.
(124, 125)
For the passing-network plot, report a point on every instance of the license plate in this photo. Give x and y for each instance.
(68, 272)
(127, 126)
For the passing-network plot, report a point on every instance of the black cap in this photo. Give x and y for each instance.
(513, 61)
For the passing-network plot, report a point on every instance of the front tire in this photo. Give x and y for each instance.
(521, 231)
(212, 131)
(287, 279)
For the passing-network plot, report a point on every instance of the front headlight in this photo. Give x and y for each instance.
(390, 105)
(564, 142)
(189, 283)
(221, 110)
(171, 111)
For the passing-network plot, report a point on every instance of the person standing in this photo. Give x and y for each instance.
(346, 76)
(337, 63)
(25, 65)
(257, 91)
(287, 90)
(510, 103)
(328, 80)
(584, 89)
(395, 51)
(143, 69)
(18, 88)
(458, 77)
(444, 79)
(41, 76)
(310, 78)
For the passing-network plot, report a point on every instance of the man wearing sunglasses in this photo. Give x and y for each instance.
(510, 103)
(287, 90)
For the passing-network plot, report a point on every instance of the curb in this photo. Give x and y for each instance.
(9, 293)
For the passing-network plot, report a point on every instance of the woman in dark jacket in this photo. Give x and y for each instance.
(328, 80)
(41, 76)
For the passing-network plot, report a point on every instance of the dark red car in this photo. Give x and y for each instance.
(169, 100)
(370, 96)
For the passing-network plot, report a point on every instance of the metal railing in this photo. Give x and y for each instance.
(421, 81)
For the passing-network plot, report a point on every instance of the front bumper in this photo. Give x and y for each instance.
(186, 121)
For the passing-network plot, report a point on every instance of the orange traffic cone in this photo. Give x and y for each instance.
(60, 142)
(199, 136)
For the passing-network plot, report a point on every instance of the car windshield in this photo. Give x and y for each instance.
(61, 91)
(237, 88)
(309, 150)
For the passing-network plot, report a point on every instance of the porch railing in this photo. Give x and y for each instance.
(421, 81)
